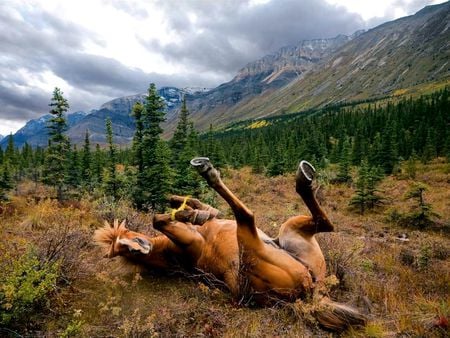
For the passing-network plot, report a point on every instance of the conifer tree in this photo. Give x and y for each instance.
(97, 167)
(73, 168)
(55, 165)
(160, 173)
(388, 151)
(6, 182)
(138, 156)
(277, 164)
(86, 161)
(111, 180)
(186, 181)
(422, 213)
(366, 196)
(10, 153)
(154, 181)
(343, 174)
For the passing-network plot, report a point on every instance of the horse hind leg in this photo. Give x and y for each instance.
(303, 185)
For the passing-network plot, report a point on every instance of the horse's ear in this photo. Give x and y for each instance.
(123, 224)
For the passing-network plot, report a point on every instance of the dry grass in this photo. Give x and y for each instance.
(402, 285)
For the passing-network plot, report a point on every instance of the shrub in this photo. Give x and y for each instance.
(421, 215)
(25, 287)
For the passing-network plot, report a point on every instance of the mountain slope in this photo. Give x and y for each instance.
(35, 131)
(118, 110)
(391, 59)
(398, 57)
(263, 76)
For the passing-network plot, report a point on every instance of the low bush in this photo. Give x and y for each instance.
(25, 286)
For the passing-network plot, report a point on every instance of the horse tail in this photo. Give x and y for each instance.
(337, 316)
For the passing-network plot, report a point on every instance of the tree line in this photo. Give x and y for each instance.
(374, 137)
(382, 134)
(144, 173)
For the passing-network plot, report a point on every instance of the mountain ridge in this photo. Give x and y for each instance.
(400, 57)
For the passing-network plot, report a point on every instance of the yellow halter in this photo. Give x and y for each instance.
(182, 207)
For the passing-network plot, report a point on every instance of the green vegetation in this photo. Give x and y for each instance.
(56, 160)
(364, 156)
(25, 287)
(385, 135)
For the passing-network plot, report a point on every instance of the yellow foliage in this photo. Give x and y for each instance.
(258, 124)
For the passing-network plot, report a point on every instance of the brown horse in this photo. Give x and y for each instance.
(243, 257)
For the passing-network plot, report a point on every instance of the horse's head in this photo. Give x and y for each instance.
(117, 240)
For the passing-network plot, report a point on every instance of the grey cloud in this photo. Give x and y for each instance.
(20, 105)
(33, 42)
(228, 34)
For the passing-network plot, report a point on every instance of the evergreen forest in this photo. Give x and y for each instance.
(379, 135)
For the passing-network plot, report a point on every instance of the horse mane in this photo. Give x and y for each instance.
(106, 236)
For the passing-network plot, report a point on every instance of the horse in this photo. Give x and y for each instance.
(236, 252)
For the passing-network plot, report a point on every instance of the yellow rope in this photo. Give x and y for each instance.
(182, 207)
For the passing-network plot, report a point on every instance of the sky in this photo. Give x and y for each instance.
(98, 50)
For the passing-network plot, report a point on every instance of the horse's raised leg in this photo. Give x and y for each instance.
(297, 233)
(246, 230)
(303, 186)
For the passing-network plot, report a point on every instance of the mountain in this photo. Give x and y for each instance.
(35, 131)
(402, 57)
(407, 56)
(258, 78)
(118, 110)
(2, 137)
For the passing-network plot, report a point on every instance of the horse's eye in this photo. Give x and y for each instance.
(140, 241)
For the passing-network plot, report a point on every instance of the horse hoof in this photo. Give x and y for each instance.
(202, 164)
(305, 173)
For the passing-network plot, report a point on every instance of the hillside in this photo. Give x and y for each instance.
(399, 280)
(408, 55)
(259, 78)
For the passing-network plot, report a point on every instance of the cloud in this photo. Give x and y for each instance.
(225, 35)
(133, 8)
(44, 44)
(40, 51)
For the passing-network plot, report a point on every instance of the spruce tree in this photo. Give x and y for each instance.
(59, 145)
(154, 182)
(366, 196)
(10, 153)
(86, 162)
(182, 144)
(138, 156)
(343, 174)
(422, 214)
(277, 164)
(111, 180)
(98, 164)
(73, 168)
(6, 182)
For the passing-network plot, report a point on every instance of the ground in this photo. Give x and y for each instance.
(399, 276)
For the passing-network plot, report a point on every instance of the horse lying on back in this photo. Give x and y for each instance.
(236, 252)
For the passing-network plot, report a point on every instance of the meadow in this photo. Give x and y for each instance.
(56, 282)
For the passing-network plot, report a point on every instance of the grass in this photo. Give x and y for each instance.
(402, 285)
